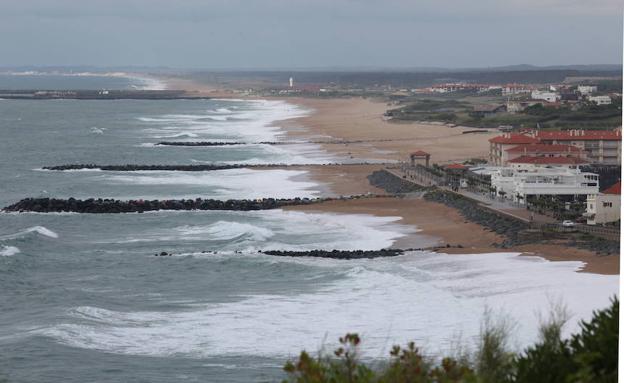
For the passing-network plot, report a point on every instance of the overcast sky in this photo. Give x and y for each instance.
(310, 33)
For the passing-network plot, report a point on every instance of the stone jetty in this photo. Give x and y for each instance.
(188, 168)
(217, 143)
(338, 254)
(107, 206)
(134, 168)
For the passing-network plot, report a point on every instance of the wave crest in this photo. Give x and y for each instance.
(42, 230)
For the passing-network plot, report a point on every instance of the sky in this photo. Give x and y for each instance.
(266, 34)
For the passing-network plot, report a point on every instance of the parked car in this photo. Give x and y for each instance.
(567, 223)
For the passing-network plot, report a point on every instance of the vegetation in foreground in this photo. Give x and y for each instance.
(588, 356)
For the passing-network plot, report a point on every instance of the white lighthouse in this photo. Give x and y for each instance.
(290, 82)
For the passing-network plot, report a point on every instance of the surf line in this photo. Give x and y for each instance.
(107, 206)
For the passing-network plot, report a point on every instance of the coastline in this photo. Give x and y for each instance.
(359, 119)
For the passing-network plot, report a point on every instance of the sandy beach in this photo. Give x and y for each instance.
(358, 119)
(362, 119)
(354, 119)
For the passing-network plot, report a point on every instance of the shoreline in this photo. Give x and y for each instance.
(434, 224)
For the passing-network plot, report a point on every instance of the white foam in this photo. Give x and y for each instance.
(224, 230)
(429, 298)
(275, 229)
(177, 135)
(253, 123)
(221, 111)
(223, 184)
(96, 130)
(34, 229)
(7, 251)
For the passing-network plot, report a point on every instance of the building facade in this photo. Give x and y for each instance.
(601, 146)
(520, 183)
(546, 96)
(600, 100)
(544, 151)
(500, 144)
(586, 89)
(604, 207)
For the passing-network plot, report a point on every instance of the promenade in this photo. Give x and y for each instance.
(503, 207)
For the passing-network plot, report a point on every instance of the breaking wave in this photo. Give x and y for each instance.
(41, 230)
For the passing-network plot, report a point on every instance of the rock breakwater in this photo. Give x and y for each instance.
(472, 211)
(338, 254)
(106, 205)
(393, 184)
(190, 168)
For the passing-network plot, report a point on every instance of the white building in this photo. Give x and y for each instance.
(546, 96)
(518, 183)
(600, 100)
(513, 89)
(604, 207)
(584, 90)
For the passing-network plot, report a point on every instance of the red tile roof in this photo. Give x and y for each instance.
(614, 189)
(455, 166)
(419, 153)
(581, 135)
(514, 139)
(547, 160)
(543, 148)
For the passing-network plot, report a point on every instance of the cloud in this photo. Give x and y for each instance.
(249, 33)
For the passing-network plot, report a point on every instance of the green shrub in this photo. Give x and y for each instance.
(589, 356)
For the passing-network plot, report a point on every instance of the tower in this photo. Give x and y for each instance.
(290, 82)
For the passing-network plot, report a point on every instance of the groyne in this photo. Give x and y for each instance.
(319, 142)
(113, 206)
(338, 254)
(190, 168)
(221, 143)
(333, 254)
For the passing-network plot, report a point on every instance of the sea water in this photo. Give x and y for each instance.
(85, 299)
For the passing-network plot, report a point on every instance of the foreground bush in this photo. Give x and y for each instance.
(587, 357)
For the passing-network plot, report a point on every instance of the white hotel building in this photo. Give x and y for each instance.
(518, 183)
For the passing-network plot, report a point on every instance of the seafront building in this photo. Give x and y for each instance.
(544, 162)
(522, 182)
(543, 151)
(500, 144)
(601, 147)
(604, 207)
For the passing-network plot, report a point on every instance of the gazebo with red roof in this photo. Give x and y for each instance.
(419, 155)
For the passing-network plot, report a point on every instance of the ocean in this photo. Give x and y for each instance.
(84, 299)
